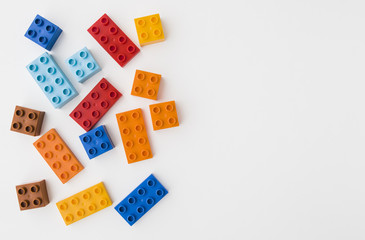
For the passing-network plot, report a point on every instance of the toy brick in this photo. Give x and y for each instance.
(113, 40)
(94, 106)
(82, 65)
(27, 121)
(149, 29)
(53, 82)
(96, 142)
(32, 195)
(146, 84)
(43, 32)
(84, 203)
(134, 135)
(58, 156)
(141, 200)
(164, 115)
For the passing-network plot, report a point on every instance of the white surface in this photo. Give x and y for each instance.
(270, 97)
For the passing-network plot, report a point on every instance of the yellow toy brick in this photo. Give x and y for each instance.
(84, 203)
(149, 29)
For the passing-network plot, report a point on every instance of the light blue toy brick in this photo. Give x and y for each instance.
(82, 65)
(141, 200)
(53, 82)
(96, 142)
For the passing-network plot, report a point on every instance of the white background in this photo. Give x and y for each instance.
(270, 98)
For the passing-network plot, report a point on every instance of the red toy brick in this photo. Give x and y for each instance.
(113, 40)
(93, 107)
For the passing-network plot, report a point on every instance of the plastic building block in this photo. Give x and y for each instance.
(43, 32)
(94, 106)
(82, 65)
(113, 40)
(149, 29)
(96, 142)
(134, 136)
(164, 115)
(141, 200)
(58, 156)
(146, 84)
(27, 121)
(84, 203)
(32, 195)
(53, 82)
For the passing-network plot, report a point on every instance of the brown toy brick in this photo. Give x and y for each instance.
(32, 195)
(27, 121)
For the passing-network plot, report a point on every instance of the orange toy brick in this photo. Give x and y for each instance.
(146, 84)
(164, 115)
(134, 135)
(58, 156)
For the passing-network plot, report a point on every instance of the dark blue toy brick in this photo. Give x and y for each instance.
(141, 200)
(96, 142)
(43, 32)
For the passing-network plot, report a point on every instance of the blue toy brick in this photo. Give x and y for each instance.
(82, 65)
(50, 78)
(141, 200)
(43, 32)
(96, 142)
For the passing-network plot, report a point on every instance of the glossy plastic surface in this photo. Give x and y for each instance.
(27, 121)
(164, 115)
(58, 156)
(146, 84)
(113, 40)
(84, 203)
(43, 32)
(52, 81)
(32, 195)
(134, 135)
(94, 106)
(141, 200)
(96, 142)
(149, 29)
(82, 65)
